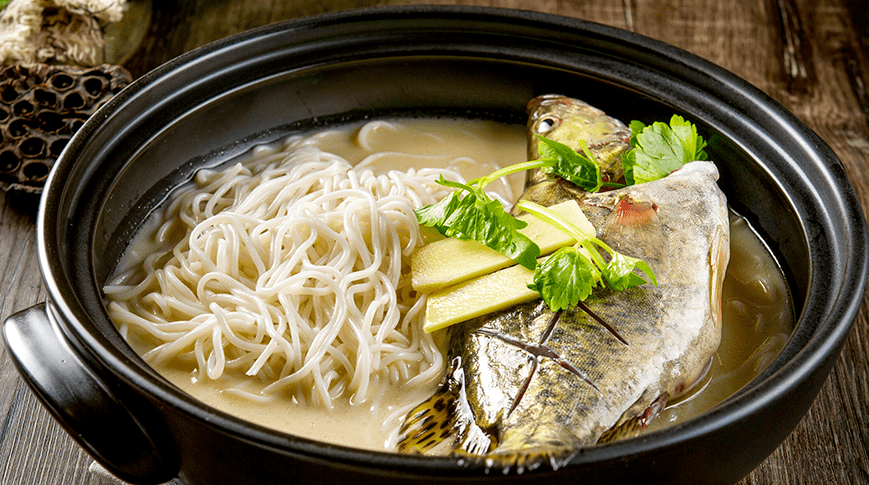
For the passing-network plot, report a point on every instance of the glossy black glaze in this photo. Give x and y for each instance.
(215, 102)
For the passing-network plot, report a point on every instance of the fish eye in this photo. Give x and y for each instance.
(547, 123)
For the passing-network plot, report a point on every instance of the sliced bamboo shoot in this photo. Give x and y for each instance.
(450, 261)
(479, 296)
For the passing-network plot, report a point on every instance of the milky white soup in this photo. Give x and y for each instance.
(352, 383)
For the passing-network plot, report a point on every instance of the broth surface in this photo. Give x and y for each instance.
(757, 312)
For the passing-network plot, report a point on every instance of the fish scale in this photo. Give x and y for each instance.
(530, 387)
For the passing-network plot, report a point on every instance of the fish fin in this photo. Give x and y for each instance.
(446, 414)
(634, 226)
(529, 460)
(554, 446)
(471, 440)
(635, 420)
(430, 423)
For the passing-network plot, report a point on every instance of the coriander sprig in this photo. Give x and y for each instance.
(568, 164)
(659, 149)
(475, 216)
(470, 214)
(570, 274)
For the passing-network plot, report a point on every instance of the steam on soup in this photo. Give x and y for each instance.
(276, 288)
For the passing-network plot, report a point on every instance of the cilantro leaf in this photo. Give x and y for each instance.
(565, 277)
(570, 165)
(692, 143)
(469, 214)
(571, 273)
(619, 272)
(659, 149)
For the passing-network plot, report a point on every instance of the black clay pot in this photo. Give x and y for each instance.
(217, 101)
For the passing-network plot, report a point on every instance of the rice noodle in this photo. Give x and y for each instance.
(292, 268)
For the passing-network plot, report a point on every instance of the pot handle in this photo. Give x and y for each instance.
(78, 399)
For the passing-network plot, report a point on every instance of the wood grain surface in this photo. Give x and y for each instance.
(809, 55)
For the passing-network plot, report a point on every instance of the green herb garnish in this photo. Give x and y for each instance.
(659, 149)
(572, 272)
(565, 162)
(470, 214)
(475, 216)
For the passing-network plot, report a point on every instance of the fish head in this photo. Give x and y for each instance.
(568, 120)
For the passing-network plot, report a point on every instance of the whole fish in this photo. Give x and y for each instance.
(527, 386)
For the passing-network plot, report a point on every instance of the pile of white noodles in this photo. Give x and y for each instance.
(293, 268)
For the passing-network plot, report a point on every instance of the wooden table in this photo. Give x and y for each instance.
(810, 55)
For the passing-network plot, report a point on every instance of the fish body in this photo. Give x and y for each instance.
(527, 385)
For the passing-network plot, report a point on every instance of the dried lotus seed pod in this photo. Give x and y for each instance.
(41, 106)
